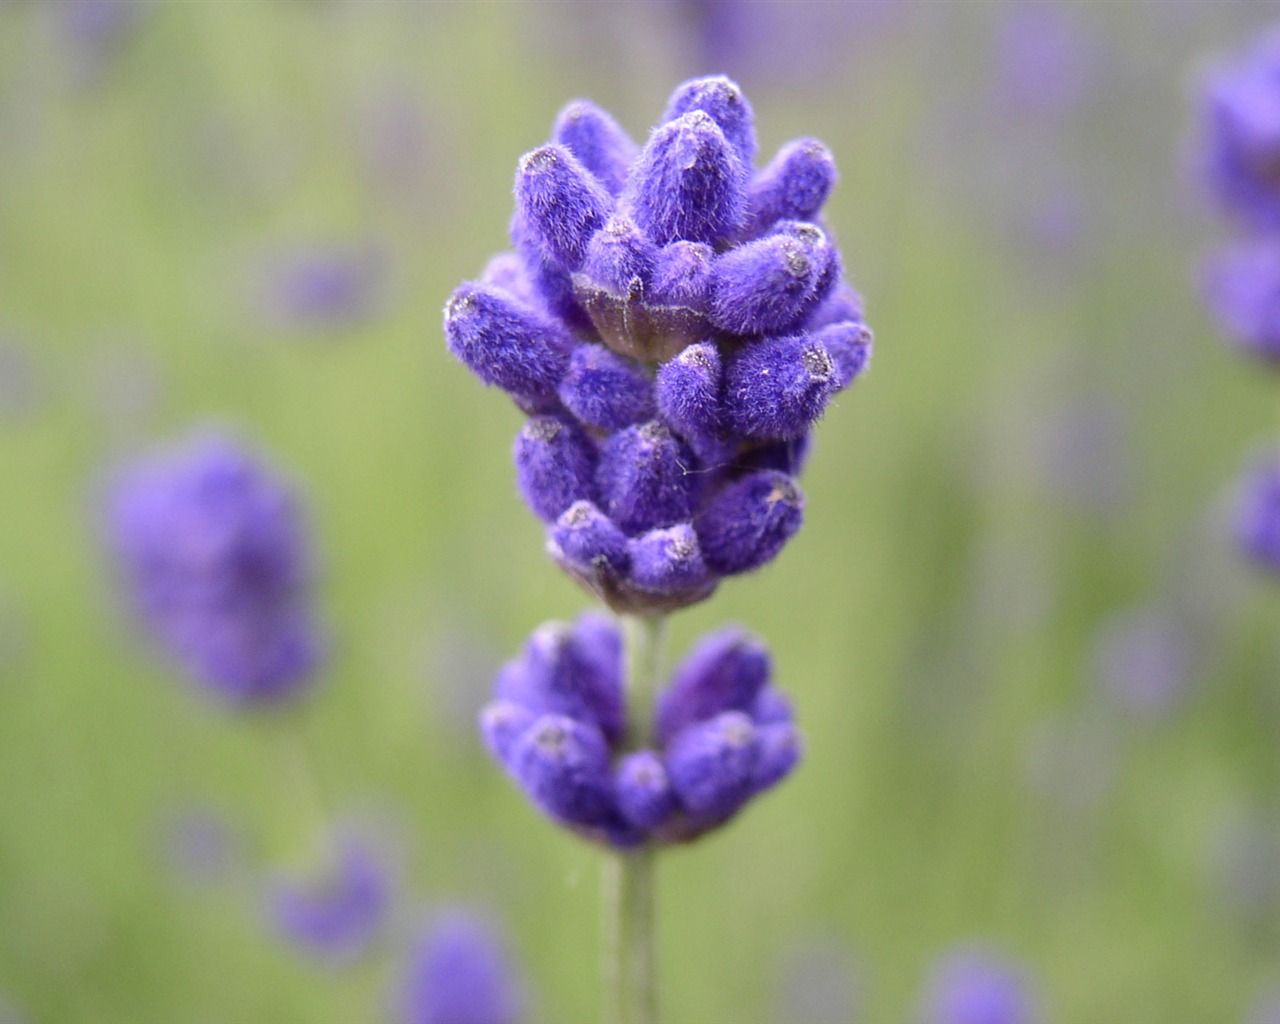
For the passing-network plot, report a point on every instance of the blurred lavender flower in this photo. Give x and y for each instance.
(336, 916)
(1045, 60)
(1265, 1009)
(1256, 518)
(216, 557)
(1240, 134)
(975, 985)
(558, 725)
(459, 973)
(1241, 287)
(325, 287)
(95, 29)
(1144, 660)
(674, 323)
(817, 984)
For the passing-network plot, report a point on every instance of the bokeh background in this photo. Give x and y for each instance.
(1038, 687)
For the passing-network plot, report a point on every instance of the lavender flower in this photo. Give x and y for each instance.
(973, 985)
(324, 287)
(336, 916)
(674, 322)
(1256, 520)
(1144, 660)
(217, 562)
(1265, 1009)
(722, 734)
(1241, 287)
(459, 974)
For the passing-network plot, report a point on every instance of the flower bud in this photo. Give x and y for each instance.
(502, 722)
(587, 542)
(506, 342)
(748, 522)
(725, 671)
(688, 183)
(779, 749)
(682, 276)
(572, 675)
(597, 140)
(561, 203)
(770, 284)
(604, 390)
(563, 767)
(776, 387)
(668, 561)
(793, 186)
(642, 790)
(711, 763)
(645, 478)
(687, 391)
(620, 259)
(554, 461)
(720, 98)
(849, 345)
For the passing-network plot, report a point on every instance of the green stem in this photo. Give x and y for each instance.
(629, 898)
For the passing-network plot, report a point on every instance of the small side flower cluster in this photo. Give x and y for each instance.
(673, 322)
(721, 734)
(218, 563)
(1241, 165)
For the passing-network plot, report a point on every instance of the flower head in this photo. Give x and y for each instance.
(674, 322)
(721, 734)
(973, 985)
(459, 974)
(217, 562)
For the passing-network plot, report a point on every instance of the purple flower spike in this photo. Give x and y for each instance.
(1242, 290)
(688, 183)
(502, 722)
(726, 671)
(711, 765)
(749, 521)
(217, 560)
(458, 973)
(555, 461)
(604, 390)
(561, 203)
(645, 799)
(720, 98)
(793, 187)
(645, 478)
(1256, 523)
(768, 285)
(682, 276)
(668, 561)
(505, 342)
(777, 387)
(849, 345)
(563, 766)
(978, 986)
(334, 918)
(597, 140)
(687, 390)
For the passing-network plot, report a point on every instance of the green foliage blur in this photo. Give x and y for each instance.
(1045, 441)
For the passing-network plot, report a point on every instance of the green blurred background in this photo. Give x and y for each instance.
(1042, 447)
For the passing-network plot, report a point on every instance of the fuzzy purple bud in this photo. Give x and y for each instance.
(711, 764)
(646, 478)
(335, 917)
(772, 707)
(216, 556)
(563, 767)
(586, 541)
(725, 671)
(620, 259)
(604, 390)
(1242, 289)
(793, 186)
(687, 390)
(779, 749)
(597, 140)
(668, 561)
(572, 675)
(458, 973)
(561, 203)
(748, 522)
(723, 101)
(505, 342)
(776, 387)
(849, 346)
(555, 461)
(682, 276)
(770, 284)
(643, 791)
(502, 722)
(977, 986)
(688, 183)
(1256, 522)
